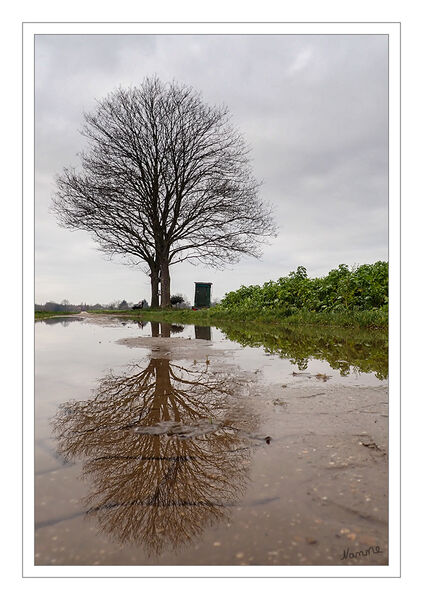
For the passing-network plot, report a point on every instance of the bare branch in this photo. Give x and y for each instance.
(165, 178)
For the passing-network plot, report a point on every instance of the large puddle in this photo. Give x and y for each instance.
(160, 444)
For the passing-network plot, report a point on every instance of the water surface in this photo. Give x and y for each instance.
(180, 444)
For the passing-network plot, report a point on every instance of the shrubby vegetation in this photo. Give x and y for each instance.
(180, 301)
(357, 289)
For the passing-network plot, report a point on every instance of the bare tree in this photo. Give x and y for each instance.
(165, 178)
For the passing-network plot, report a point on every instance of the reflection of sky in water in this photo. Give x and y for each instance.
(76, 353)
(79, 365)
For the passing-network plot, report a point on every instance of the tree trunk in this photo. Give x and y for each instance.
(165, 283)
(154, 275)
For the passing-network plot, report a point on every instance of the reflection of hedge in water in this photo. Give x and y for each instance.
(344, 350)
(159, 489)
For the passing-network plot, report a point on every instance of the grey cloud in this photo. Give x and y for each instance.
(313, 109)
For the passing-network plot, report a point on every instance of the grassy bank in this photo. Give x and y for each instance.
(368, 319)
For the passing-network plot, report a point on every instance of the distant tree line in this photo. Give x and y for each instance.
(66, 307)
(60, 307)
(178, 301)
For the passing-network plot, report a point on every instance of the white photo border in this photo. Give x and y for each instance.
(29, 30)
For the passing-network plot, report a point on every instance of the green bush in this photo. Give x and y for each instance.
(344, 289)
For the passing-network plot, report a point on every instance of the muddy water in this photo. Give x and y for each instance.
(185, 445)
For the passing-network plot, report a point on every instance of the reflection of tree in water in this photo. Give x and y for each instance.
(64, 321)
(165, 448)
(176, 328)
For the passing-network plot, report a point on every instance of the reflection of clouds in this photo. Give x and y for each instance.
(166, 450)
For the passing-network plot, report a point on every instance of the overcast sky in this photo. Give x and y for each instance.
(313, 109)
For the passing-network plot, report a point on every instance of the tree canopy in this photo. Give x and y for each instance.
(164, 178)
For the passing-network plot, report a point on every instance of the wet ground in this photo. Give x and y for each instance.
(160, 444)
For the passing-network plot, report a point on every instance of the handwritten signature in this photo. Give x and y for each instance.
(361, 553)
